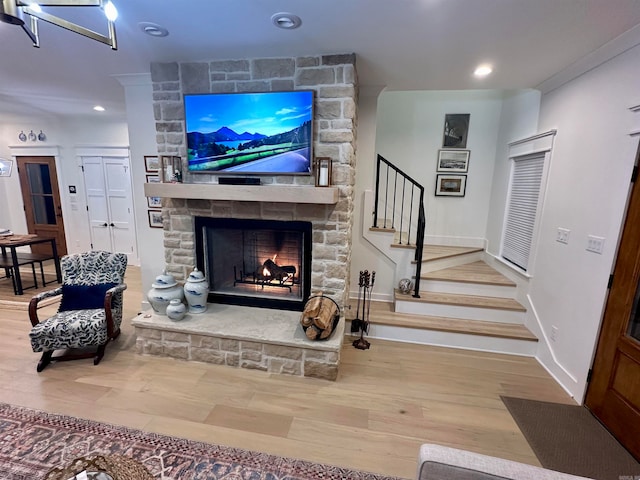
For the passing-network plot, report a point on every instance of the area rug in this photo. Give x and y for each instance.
(569, 439)
(32, 442)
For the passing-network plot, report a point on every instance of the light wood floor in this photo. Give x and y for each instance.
(386, 402)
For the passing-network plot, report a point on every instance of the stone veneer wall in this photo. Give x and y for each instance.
(334, 79)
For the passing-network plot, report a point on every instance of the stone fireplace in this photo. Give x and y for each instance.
(280, 198)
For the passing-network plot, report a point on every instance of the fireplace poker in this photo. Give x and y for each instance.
(373, 281)
(355, 323)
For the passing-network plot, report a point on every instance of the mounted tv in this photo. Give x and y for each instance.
(250, 133)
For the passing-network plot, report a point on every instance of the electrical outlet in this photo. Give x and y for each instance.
(595, 244)
(562, 235)
(554, 333)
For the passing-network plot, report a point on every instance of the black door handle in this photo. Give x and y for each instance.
(111, 225)
(105, 225)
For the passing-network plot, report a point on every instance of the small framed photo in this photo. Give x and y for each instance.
(451, 185)
(153, 179)
(151, 163)
(155, 218)
(5, 167)
(453, 161)
(154, 202)
(456, 129)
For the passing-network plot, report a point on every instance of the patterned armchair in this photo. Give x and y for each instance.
(90, 310)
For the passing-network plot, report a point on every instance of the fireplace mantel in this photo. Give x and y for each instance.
(244, 193)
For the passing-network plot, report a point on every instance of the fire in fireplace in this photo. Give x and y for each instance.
(262, 263)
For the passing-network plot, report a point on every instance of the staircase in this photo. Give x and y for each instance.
(458, 300)
(463, 303)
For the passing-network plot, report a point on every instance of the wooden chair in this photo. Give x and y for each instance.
(90, 310)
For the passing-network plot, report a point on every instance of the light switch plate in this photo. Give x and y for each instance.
(595, 244)
(562, 235)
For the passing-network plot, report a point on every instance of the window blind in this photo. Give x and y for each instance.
(522, 207)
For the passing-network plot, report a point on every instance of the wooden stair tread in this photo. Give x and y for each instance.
(477, 272)
(435, 252)
(382, 314)
(382, 229)
(464, 300)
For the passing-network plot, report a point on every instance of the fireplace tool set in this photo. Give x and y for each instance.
(365, 287)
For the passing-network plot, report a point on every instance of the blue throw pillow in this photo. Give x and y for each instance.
(84, 297)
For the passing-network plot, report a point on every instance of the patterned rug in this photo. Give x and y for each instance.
(32, 442)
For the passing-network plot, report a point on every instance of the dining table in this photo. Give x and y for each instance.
(12, 259)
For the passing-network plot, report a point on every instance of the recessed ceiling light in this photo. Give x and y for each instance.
(285, 20)
(483, 70)
(153, 29)
(99, 108)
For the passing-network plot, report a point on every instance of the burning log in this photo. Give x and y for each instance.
(272, 271)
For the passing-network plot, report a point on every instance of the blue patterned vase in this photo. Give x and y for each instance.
(196, 291)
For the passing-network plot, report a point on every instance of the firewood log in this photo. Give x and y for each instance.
(312, 307)
(324, 319)
(306, 321)
(312, 332)
(326, 332)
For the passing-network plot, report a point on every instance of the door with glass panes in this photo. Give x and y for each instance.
(41, 198)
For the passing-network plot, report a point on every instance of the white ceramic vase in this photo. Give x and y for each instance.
(163, 290)
(196, 291)
(176, 309)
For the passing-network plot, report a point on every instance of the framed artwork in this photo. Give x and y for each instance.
(456, 129)
(5, 167)
(451, 185)
(154, 202)
(151, 163)
(153, 179)
(453, 161)
(155, 218)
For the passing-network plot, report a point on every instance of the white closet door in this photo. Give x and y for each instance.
(109, 198)
(97, 205)
(118, 187)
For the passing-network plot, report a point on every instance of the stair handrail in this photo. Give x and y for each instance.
(421, 225)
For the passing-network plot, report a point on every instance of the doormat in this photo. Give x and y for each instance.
(569, 439)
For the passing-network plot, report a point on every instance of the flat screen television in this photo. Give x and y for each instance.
(250, 133)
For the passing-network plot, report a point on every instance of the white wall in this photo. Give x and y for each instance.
(407, 128)
(66, 134)
(518, 120)
(142, 134)
(588, 184)
(365, 256)
(409, 134)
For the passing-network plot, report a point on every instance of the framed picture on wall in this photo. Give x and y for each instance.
(153, 179)
(154, 202)
(451, 185)
(5, 167)
(456, 129)
(151, 163)
(155, 218)
(453, 161)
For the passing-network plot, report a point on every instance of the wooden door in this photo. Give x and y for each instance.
(614, 392)
(41, 197)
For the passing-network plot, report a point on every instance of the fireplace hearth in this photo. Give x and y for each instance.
(258, 263)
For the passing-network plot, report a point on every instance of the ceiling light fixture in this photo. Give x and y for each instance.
(483, 70)
(153, 29)
(99, 108)
(13, 11)
(285, 20)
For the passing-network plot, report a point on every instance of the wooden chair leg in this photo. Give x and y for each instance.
(99, 354)
(44, 360)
